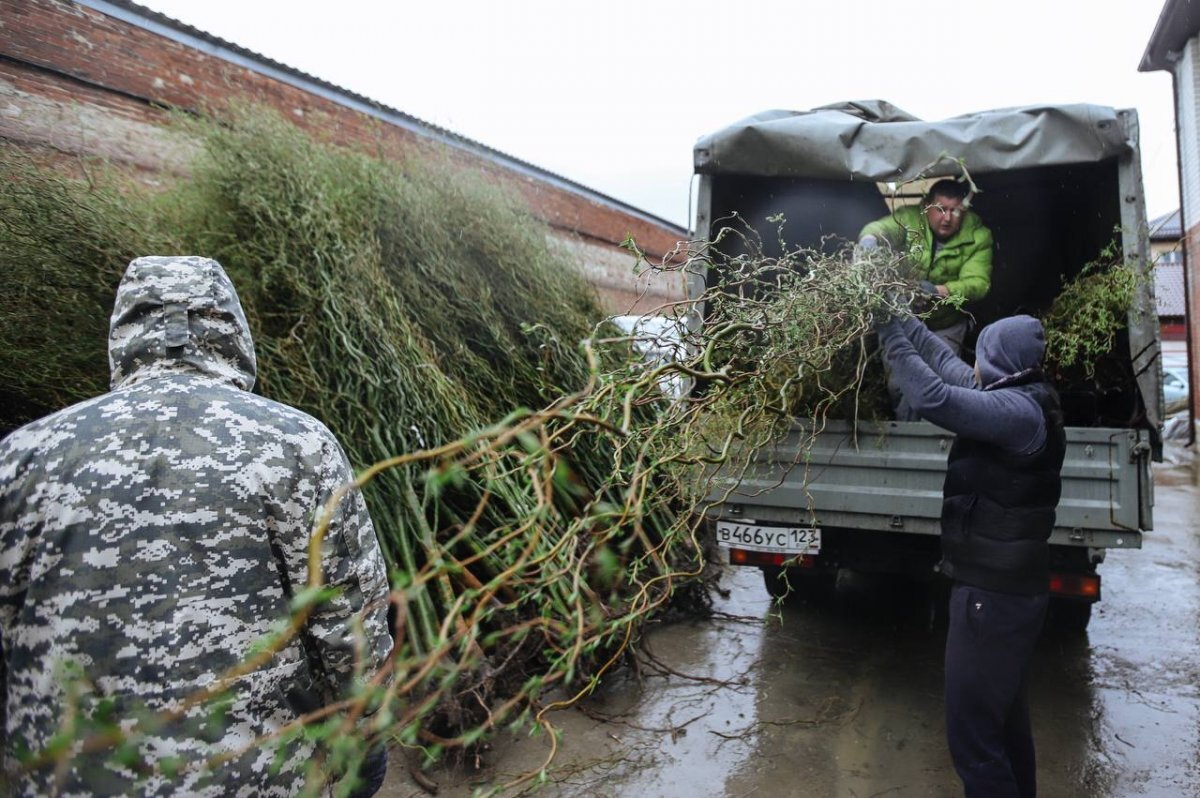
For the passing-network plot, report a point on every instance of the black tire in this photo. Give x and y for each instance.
(938, 606)
(777, 584)
(796, 583)
(1069, 616)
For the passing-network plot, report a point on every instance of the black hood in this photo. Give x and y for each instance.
(1009, 347)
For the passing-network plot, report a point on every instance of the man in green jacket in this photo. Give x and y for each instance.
(950, 252)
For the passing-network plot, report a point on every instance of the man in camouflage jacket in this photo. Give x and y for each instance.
(152, 536)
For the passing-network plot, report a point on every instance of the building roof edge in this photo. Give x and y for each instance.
(181, 32)
(1178, 22)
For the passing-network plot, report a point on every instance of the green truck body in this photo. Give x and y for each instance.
(1057, 185)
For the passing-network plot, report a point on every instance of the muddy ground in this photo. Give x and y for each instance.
(845, 700)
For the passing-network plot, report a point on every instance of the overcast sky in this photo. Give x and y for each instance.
(613, 94)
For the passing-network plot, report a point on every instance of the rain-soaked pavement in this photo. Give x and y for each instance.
(845, 700)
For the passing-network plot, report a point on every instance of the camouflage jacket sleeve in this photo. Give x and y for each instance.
(348, 631)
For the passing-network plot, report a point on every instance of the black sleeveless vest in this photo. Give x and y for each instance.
(998, 508)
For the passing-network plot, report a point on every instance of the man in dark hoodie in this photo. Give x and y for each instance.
(999, 501)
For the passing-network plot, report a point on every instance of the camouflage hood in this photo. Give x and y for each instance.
(179, 314)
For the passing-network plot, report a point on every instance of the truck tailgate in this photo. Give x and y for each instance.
(888, 476)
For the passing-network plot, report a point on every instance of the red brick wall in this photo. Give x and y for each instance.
(75, 80)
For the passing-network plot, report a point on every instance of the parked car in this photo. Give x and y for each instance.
(1175, 384)
(659, 340)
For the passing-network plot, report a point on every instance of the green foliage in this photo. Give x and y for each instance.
(406, 308)
(799, 327)
(1083, 323)
(538, 498)
(63, 247)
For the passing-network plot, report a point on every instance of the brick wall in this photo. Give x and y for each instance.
(75, 81)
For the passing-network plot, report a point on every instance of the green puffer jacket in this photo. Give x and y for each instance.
(963, 264)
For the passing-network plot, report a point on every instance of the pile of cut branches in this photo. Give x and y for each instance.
(538, 498)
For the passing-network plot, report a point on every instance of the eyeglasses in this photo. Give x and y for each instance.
(954, 213)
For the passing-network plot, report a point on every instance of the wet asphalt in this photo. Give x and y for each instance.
(844, 699)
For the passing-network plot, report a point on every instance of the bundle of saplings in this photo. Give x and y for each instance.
(825, 296)
(424, 317)
(1087, 342)
(824, 363)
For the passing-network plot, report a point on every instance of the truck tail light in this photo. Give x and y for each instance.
(1085, 586)
(745, 557)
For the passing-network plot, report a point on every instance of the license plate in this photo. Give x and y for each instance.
(782, 540)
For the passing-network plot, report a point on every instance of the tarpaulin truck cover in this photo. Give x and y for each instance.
(878, 142)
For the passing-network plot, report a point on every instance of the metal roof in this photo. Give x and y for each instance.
(1168, 289)
(1166, 227)
(197, 39)
(1178, 21)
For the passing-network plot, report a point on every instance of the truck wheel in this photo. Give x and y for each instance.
(798, 583)
(1070, 616)
(778, 585)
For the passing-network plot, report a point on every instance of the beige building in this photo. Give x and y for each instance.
(1174, 47)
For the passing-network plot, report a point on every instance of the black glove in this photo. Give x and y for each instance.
(923, 297)
(883, 312)
(863, 249)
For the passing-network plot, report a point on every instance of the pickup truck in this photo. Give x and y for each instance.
(1056, 185)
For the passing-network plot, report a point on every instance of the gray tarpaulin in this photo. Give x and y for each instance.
(874, 140)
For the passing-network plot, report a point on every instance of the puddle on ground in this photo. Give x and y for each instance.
(845, 699)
